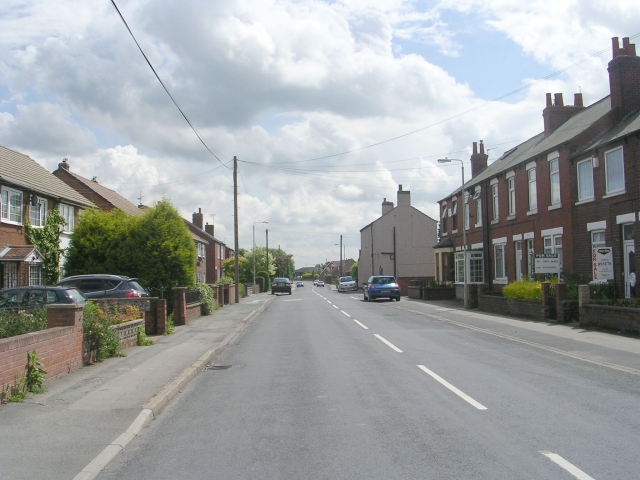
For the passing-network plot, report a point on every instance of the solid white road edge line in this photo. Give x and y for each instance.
(363, 326)
(458, 392)
(569, 467)
(345, 313)
(387, 343)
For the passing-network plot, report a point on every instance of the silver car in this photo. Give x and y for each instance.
(347, 284)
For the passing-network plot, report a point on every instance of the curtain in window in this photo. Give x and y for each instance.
(585, 180)
(615, 170)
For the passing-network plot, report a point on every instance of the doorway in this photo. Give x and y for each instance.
(629, 249)
(518, 247)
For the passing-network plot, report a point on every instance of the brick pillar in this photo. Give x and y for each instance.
(545, 299)
(161, 316)
(227, 293)
(232, 294)
(561, 295)
(179, 306)
(64, 315)
(584, 297)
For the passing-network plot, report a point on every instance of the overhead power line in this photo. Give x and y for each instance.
(165, 88)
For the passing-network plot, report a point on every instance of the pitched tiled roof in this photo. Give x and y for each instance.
(115, 199)
(22, 171)
(629, 125)
(542, 142)
(19, 252)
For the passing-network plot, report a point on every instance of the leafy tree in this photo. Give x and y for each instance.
(245, 268)
(284, 264)
(47, 242)
(354, 272)
(156, 247)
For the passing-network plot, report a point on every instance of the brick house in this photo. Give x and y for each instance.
(530, 201)
(398, 243)
(215, 251)
(29, 191)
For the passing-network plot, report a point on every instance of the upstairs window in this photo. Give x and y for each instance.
(68, 213)
(585, 180)
(554, 179)
(614, 170)
(494, 196)
(511, 184)
(38, 212)
(466, 211)
(533, 191)
(11, 206)
(500, 265)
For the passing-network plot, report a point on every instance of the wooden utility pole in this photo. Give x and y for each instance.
(341, 255)
(268, 254)
(235, 228)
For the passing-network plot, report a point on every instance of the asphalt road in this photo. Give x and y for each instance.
(324, 385)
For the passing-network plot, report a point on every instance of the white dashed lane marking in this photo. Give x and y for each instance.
(458, 392)
(387, 343)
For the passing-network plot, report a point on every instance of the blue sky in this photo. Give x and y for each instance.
(289, 80)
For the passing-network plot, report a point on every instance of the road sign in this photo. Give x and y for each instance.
(602, 259)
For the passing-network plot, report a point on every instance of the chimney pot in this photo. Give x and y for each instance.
(558, 101)
(549, 104)
(475, 148)
(481, 147)
(94, 179)
(400, 188)
(615, 47)
(64, 164)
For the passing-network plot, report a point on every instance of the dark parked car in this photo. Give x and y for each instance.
(25, 298)
(381, 286)
(105, 286)
(281, 285)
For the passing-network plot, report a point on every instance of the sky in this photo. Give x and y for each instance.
(328, 105)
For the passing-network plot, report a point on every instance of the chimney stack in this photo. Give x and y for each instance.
(478, 160)
(64, 164)
(209, 229)
(404, 197)
(624, 78)
(198, 219)
(386, 206)
(557, 113)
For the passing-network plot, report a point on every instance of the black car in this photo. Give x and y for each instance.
(105, 286)
(281, 285)
(25, 298)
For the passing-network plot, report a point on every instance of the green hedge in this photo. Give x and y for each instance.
(523, 289)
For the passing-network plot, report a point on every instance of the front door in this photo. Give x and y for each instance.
(629, 260)
(518, 245)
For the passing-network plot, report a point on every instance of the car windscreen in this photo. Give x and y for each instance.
(346, 279)
(384, 280)
(75, 295)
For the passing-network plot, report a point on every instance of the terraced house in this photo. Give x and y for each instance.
(29, 191)
(571, 190)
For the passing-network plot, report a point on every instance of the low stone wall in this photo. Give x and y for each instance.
(415, 292)
(128, 332)
(59, 347)
(514, 307)
(154, 311)
(617, 318)
(194, 310)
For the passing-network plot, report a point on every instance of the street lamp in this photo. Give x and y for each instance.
(464, 229)
(254, 251)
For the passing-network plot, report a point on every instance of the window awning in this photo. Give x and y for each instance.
(21, 253)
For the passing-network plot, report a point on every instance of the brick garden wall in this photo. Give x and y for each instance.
(617, 318)
(59, 347)
(508, 306)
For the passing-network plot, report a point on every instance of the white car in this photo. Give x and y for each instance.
(315, 282)
(320, 283)
(347, 284)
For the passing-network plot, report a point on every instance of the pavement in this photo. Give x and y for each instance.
(88, 417)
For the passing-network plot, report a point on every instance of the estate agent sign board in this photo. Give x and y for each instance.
(547, 263)
(602, 258)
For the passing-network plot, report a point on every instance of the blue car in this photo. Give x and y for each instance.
(381, 286)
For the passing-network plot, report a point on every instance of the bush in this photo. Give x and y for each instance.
(206, 298)
(523, 289)
(171, 328)
(97, 320)
(21, 322)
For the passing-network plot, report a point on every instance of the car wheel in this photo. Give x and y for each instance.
(397, 299)
(289, 292)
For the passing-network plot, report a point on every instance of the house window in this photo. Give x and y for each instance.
(500, 266)
(11, 206)
(67, 213)
(460, 267)
(585, 180)
(443, 221)
(476, 267)
(466, 211)
(511, 184)
(35, 274)
(38, 213)
(454, 216)
(533, 192)
(531, 260)
(10, 275)
(494, 196)
(614, 170)
(478, 200)
(598, 238)
(554, 174)
(553, 244)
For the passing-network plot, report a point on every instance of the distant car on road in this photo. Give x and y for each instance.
(299, 284)
(315, 282)
(320, 283)
(281, 285)
(347, 284)
(381, 286)
(104, 286)
(27, 298)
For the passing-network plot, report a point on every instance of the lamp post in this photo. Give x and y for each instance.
(254, 251)
(464, 229)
